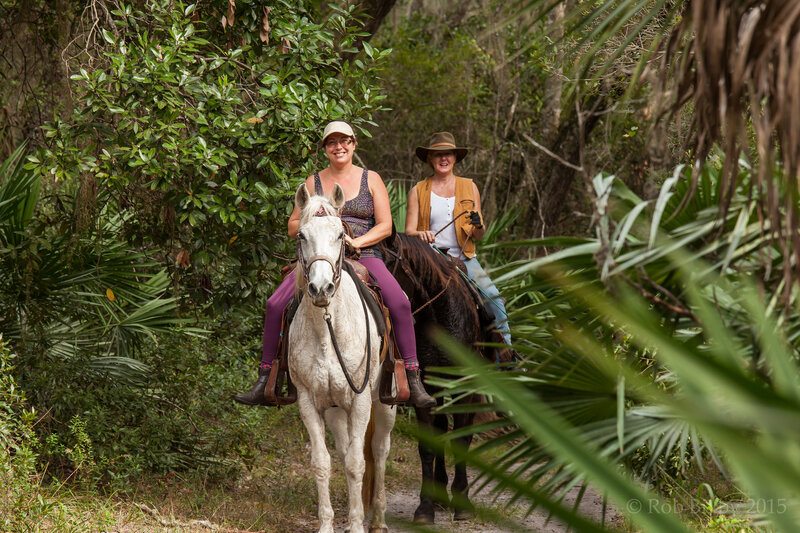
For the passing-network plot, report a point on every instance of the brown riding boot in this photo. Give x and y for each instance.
(419, 397)
(255, 396)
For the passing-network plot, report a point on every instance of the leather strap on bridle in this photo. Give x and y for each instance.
(337, 267)
(337, 276)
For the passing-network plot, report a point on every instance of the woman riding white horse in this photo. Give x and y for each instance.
(334, 363)
(368, 213)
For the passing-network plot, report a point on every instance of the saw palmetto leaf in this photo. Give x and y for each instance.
(675, 353)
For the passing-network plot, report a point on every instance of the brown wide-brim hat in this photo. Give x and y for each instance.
(442, 141)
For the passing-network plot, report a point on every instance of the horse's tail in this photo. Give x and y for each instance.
(368, 485)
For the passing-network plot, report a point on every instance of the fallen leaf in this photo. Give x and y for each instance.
(230, 241)
(224, 22)
(284, 45)
(183, 259)
(231, 12)
(255, 120)
(264, 34)
(110, 295)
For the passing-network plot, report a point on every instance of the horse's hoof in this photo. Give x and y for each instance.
(463, 514)
(424, 516)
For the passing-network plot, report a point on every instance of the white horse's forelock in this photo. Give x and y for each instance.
(317, 205)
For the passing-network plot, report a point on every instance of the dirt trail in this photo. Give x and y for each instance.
(401, 506)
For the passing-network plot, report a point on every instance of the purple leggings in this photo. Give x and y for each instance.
(393, 296)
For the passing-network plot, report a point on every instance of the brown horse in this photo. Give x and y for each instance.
(440, 297)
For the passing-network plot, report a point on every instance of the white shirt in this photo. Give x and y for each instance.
(441, 215)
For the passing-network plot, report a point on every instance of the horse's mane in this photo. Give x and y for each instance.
(433, 270)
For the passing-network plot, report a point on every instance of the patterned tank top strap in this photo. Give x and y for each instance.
(317, 184)
(364, 183)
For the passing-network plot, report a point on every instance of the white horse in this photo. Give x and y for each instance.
(330, 317)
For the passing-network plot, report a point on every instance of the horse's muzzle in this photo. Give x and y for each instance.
(321, 297)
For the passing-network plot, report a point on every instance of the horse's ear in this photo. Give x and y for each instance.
(337, 197)
(301, 196)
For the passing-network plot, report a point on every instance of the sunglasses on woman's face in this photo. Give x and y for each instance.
(344, 141)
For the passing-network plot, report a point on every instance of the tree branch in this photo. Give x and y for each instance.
(551, 154)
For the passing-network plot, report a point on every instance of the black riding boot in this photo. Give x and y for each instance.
(255, 396)
(419, 397)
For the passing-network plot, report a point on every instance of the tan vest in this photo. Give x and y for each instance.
(465, 201)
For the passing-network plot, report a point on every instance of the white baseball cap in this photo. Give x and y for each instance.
(337, 126)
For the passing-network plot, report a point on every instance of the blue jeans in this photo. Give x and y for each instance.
(492, 296)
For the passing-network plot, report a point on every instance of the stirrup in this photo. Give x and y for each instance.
(393, 367)
(273, 392)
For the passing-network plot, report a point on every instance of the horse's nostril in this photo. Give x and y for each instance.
(329, 288)
(312, 290)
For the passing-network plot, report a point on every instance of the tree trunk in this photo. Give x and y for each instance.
(376, 11)
(556, 178)
(551, 112)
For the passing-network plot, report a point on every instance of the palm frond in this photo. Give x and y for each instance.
(19, 192)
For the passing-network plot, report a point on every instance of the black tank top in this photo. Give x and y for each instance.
(359, 212)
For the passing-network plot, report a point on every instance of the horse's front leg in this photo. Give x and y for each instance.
(320, 459)
(354, 461)
(441, 426)
(337, 420)
(381, 443)
(462, 507)
(425, 512)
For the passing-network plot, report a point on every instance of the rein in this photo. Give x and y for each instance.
(429, 302)
(357, 390)
(462, 213)
(402, 262)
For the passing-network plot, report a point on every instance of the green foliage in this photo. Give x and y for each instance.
(171, 177)
(18, 451)
(181, 419)
(202, 132)
(80, 310)
(647, 347)
(461, 82)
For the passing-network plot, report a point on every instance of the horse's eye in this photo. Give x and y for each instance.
(301, 237)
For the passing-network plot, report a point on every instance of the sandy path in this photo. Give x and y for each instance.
(401, 506)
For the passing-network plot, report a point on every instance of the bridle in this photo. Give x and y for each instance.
(337, 266)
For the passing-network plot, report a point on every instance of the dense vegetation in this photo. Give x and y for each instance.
(648, 249)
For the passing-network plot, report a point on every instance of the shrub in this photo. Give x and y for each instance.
(19, 500)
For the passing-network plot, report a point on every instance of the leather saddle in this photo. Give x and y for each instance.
(393, 388)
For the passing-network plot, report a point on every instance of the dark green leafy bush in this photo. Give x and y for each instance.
(203, 130)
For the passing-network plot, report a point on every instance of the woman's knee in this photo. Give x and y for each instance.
(398, 304)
